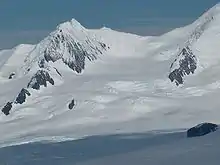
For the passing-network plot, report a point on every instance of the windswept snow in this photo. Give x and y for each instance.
(13, 59)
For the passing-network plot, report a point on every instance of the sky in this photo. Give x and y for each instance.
(29, 21)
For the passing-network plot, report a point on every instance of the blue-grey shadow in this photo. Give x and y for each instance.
(62, 153)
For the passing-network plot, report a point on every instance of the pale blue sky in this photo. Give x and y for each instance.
(28, 21)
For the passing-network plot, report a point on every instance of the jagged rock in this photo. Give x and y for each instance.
(72, 104)
(11, 75)
(79, 55)
(41, 63)
(176, 75)
(40, 78)
(7, 108)
(187, 64)
(21, 98)
(63, 45)
(202, 129)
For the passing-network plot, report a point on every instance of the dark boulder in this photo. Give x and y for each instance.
(202, 129)
(7, 108)
(21, 98)
(40, 78)
(71, 104)
(11, 75)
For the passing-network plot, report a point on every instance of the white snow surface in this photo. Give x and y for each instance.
(126, 90)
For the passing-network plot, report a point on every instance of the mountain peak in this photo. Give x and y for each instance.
(71, 43)
(70, 26)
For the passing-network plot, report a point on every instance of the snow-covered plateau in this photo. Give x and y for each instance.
(139, 93)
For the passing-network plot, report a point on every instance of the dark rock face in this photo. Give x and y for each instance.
(187, 65)
(11, 75)
(21, 98)
(7, 108)
(41, 63)
(202, 129)
(72, 104)
(40, 78)
(77, 51)
(79, 54)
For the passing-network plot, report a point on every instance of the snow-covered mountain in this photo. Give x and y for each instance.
(70, 44)
(114, 82)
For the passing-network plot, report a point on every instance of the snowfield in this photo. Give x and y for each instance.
(122, 84)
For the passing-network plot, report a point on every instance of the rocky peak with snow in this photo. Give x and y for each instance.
(70, 43)
(134, 85)
(186, 61)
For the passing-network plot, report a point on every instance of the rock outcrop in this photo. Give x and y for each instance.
(39, 79)
(7, 108)
(64, 45)
(185, 64)
(202, 129)
(21, 98)
(71, 104)
(11, 76)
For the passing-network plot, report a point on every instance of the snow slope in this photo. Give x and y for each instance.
(120, 82)
(10, 62)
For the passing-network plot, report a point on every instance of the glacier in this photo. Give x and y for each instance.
(149, 89)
